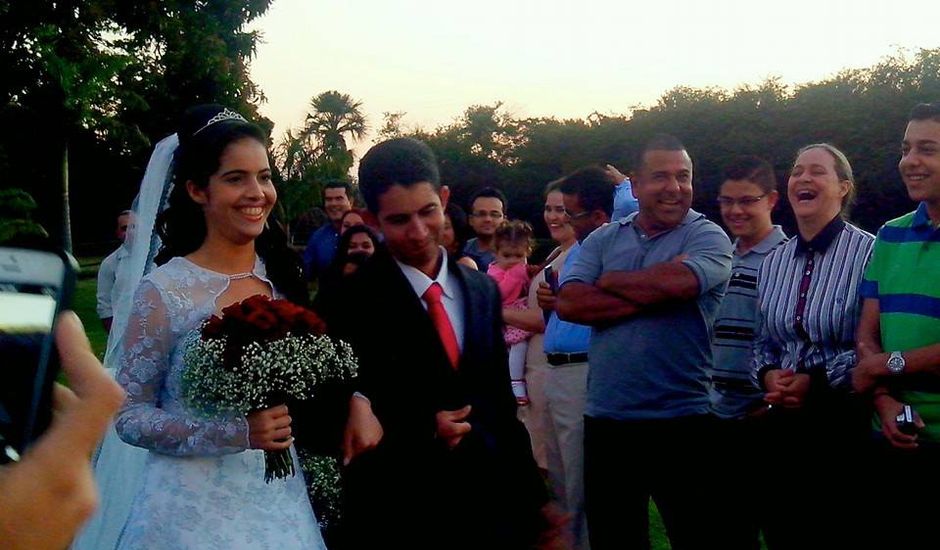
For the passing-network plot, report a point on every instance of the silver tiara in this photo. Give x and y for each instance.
(224, 114)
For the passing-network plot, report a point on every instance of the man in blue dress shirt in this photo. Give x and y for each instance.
(321, 248)
(588, 201)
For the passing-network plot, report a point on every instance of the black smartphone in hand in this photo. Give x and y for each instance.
(35, 285)
(551, 278)
(905, 421)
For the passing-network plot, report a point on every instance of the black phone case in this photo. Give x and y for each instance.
(40, 414)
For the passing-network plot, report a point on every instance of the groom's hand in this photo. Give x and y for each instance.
(363, 430)
(452, 426)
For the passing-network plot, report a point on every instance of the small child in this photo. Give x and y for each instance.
(513, 245)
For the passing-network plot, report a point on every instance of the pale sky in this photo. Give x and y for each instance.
(562, 58)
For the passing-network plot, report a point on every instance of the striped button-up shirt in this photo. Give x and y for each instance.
(808, 303)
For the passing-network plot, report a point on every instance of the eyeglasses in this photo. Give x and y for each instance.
(485, 214)
(576, 216)
(728, 202)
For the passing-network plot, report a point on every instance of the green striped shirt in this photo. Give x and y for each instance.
(903, 277)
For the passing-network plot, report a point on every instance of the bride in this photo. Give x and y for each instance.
(203, 481)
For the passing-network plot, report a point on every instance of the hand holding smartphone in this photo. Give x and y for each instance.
(551, 278)
(905, 421)
(35, 285)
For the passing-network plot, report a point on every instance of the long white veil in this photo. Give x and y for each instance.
(150, 201)
(119, 467)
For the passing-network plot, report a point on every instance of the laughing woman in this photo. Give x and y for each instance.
(809, 308)
(204, 482)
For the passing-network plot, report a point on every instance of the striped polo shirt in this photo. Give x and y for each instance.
(809, 304)
(904, 276)
(732, 393)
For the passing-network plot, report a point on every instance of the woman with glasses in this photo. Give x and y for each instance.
(808, 307)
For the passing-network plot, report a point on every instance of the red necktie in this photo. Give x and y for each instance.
(441, 322)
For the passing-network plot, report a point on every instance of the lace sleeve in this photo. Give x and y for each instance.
(143, 370)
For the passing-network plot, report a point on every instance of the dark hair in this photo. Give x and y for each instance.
(552, 186)
(458, 220)
(339, 184)
(592, 186)
(342, 250)
(182, 226)
(514, 233)
(489, 193)
(753, 169)
(659, 142)
(843, 171)
(926, 111)
(400, 161)
(355, 211)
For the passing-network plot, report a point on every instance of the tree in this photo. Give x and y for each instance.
(16, 208)
(333, 117)
(64, 71)
(391, 125)
(90, 83)
(296, 167)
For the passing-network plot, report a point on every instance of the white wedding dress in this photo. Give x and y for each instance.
(202, 487)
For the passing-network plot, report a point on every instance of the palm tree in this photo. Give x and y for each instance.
(333, 116)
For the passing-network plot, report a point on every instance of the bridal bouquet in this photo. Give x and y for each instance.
(259, 353)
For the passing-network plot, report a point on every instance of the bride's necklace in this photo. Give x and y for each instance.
(237, 276)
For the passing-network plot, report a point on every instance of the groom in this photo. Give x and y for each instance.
(438, 458)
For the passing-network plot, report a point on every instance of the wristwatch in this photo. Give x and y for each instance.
(896, 362)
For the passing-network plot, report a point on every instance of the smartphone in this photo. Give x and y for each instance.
(35, 285)
(905, 421)
(551, 277)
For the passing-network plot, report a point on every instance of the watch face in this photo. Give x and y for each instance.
(896, 363)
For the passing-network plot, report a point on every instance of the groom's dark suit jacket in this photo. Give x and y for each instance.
(412, 490)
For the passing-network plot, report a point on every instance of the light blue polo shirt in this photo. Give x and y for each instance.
(654, 365)
(563, 336)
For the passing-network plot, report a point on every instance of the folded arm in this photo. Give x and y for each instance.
(668, 281)
(589, 305)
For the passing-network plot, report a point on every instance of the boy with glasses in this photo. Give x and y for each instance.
(747, 198)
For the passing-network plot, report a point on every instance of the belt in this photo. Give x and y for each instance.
(557, 359)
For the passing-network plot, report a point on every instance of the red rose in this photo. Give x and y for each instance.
(311, 323)
(258, 302)
(234, 314)
(262, 322)
(213, 328)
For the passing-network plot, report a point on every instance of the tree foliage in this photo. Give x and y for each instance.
(96, 81)
(318, 153)
(861, 111)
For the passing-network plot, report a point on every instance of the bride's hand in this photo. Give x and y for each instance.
(269, 429)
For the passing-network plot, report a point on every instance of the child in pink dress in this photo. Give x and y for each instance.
(513, 245)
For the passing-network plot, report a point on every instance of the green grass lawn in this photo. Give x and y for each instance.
(83, 303)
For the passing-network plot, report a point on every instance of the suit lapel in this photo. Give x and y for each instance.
(476, 318)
